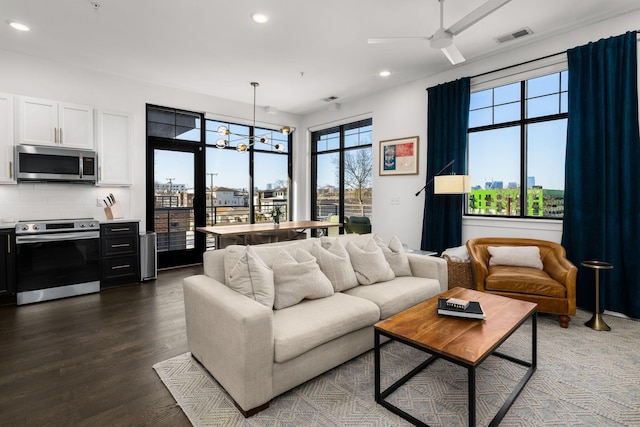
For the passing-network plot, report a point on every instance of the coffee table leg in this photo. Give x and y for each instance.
(472, 395)
(376, 364)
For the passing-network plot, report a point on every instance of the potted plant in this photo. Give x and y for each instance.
(276, 213)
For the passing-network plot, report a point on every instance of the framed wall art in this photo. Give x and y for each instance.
(399, 156)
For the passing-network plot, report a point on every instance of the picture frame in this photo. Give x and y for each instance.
(399, 156)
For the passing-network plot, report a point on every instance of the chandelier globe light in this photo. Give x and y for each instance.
(251, 139)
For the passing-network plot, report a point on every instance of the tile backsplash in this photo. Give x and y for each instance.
(27, 201)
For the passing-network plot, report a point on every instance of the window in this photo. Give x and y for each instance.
(192, 183)
(341, 172)
(243, 187)
(516, 148)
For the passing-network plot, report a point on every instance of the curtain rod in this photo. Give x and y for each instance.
(532, 60)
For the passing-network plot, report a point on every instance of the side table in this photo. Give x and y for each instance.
(596, 322)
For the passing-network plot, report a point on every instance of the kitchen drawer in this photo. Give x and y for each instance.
(120, 245)
(119, 229)
(119, 270)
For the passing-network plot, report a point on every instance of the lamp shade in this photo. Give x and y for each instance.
(452, 184)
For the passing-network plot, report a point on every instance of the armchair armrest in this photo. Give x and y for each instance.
(232, 336)
(430, 267)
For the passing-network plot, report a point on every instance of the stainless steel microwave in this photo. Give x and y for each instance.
(55, 164)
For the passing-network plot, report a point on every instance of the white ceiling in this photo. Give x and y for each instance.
(308, 50)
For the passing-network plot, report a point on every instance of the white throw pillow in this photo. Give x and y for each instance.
(252, 278)
(335, 264)
(395, 255)
(517, 256)
(369, 263)
(297, 277)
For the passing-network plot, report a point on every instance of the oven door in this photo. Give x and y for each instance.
(56, 260)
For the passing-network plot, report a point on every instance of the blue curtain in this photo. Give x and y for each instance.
(602, 195)
(448, 121)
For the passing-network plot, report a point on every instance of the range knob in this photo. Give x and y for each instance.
(82, 225)
(36, 227)
(25, 227)
(93, 224)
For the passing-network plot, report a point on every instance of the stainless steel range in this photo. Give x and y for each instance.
(57, 258)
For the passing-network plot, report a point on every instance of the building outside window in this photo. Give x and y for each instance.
(341, 172)
(516, 148)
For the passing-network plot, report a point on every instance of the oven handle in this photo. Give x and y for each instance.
(57, 237)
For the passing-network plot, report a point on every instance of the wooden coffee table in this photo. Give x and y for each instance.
(465, 342)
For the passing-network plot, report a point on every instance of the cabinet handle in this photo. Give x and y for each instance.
(121, 245)
(119, 229)
(11, 169)
(55, 135)
(60, 136)
(118, 267)
(99, 173)
(8, 243)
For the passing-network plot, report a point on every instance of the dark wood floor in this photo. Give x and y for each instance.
(86, 361)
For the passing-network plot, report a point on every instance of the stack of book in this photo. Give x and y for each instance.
(460, 308)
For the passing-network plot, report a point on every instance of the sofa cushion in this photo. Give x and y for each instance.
(395, 255)
(398, 294)
(297, 277)
(360, 240)
(369, 263)
(523, 280)
(518, 256)
(304, 326)
(267, 253)
(252, 278)
(335, 263)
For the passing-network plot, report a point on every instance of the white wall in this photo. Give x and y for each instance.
(402, 112)
(41, 78)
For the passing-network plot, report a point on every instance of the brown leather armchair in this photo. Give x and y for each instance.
(553, 288)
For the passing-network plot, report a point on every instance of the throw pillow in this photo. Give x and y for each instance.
(297, 277)
(252, 278)
(395, 255)
(369, 263)
(335, 264)
(518, 256)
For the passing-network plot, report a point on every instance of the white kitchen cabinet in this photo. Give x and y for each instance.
(7, 163)
(114, 139)
(53, 123)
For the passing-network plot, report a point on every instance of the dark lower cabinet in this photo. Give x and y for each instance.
(7, 267)
(119, 253)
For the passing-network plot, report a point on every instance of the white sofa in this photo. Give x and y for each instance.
(256, 352)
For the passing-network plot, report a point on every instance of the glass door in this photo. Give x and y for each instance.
(175, 204)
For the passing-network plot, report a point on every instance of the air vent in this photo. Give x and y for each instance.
(514, 35)
(330, 98)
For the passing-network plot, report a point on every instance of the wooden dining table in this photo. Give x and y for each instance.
(246, 230)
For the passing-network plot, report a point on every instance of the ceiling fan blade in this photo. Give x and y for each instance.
(486, 9)
(382, 40)
(453, 54)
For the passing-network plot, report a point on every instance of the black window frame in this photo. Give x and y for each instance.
(522, 124)
(341, 130)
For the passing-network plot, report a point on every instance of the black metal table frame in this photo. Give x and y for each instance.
(380, 396)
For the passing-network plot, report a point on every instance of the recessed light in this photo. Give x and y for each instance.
(259, 18)
(18, 26)
(385, 73)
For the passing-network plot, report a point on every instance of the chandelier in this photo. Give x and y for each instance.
(250, 139)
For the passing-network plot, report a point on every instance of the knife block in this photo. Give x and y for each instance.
(113, 211)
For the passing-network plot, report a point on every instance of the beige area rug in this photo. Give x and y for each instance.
(584, 378)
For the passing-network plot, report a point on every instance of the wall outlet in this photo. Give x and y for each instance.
(395, 200)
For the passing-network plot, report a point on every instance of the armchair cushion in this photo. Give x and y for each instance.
(518, 256)
(523, 280)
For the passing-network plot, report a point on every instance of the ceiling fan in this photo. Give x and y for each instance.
(443, 38)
